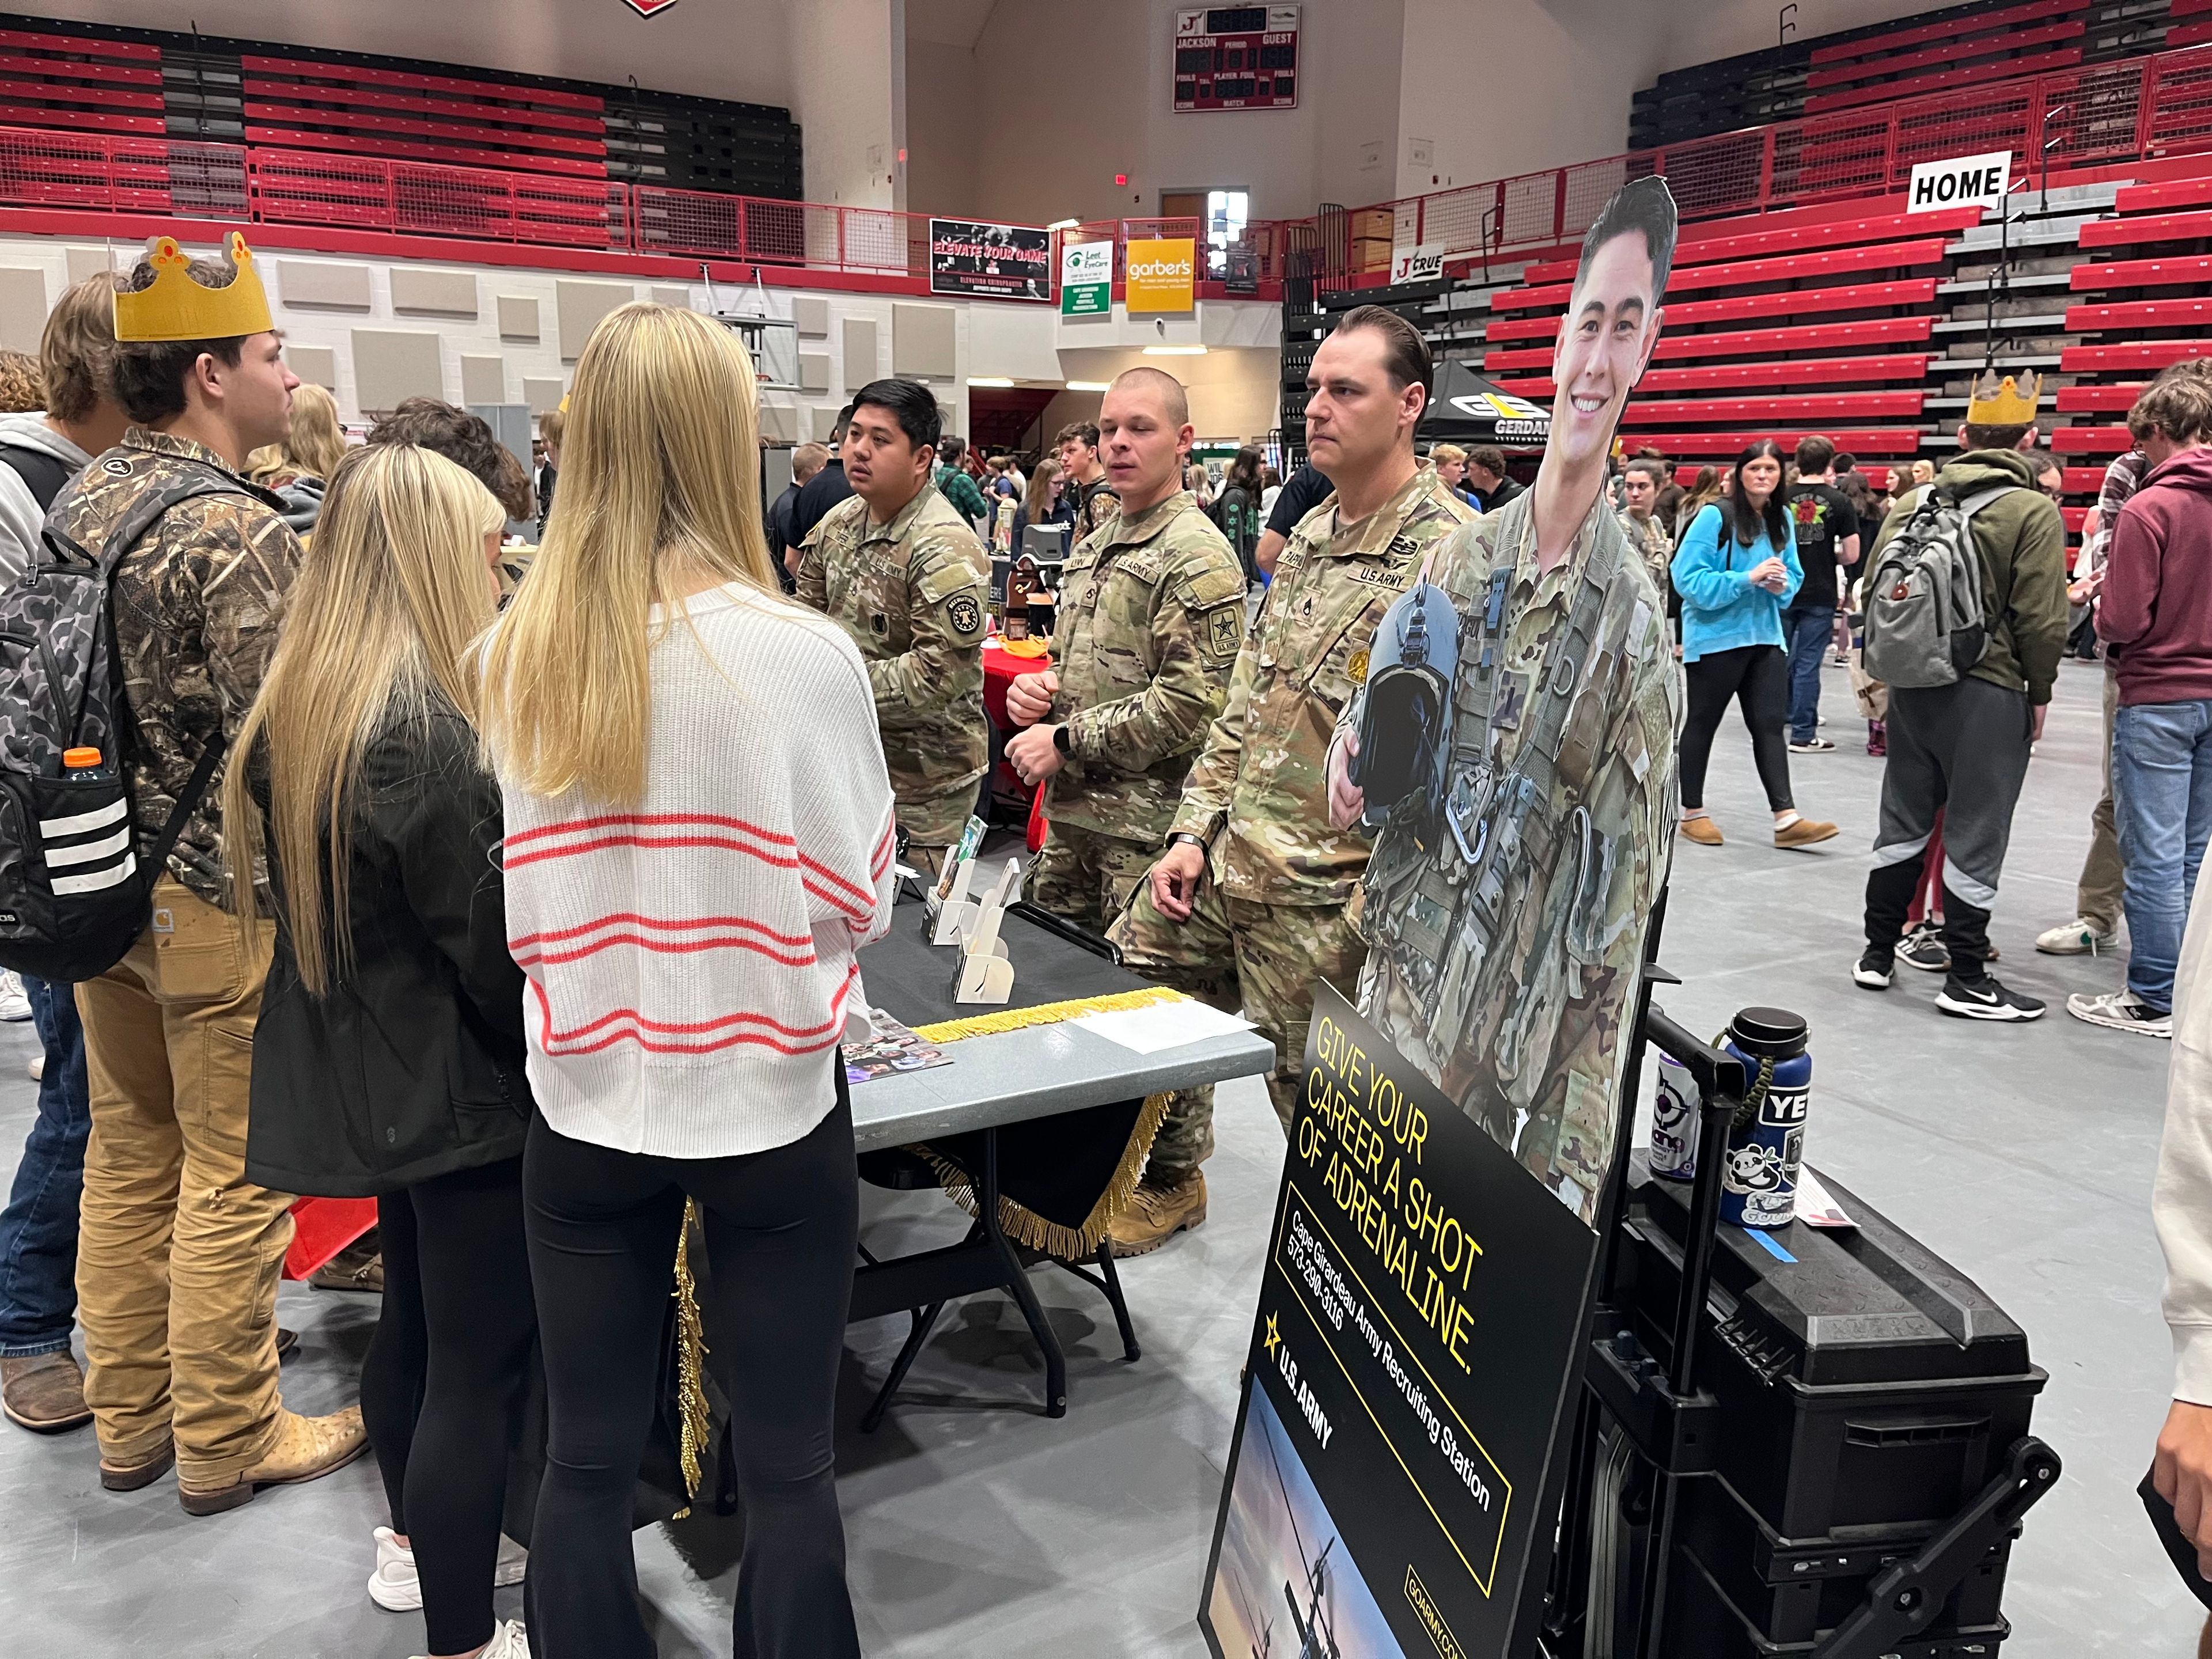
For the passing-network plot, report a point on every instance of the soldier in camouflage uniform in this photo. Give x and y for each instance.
(178, 1252)
(1151, 616)
(1641, 481)
(1506, 901)
(904, 574)
(1248, 907)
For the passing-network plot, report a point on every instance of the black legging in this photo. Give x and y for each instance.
(443, 1380)
(781, 1226)
(1757, 677)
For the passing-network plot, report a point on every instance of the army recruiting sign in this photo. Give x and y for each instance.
(1418, 1339)
(989, 262)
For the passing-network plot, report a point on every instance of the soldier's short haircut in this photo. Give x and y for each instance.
(1644, 208)
(1082, 432)
(77, 351)
(1405, 353)
(1173, 397)
(1489, 459)
(837, 426)
(1814, 453)
(465, 440)
(911, 403)
(149, 374)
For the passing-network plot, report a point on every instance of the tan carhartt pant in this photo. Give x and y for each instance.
(178, 1254)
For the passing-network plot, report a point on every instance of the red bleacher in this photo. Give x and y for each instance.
(80, 85)
(300, 104)
(1944, 55)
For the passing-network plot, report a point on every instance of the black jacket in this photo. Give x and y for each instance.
(815, 497)
(412, 1065)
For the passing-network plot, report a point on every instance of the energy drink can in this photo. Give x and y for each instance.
(1766, 1144)
(1675, 1111)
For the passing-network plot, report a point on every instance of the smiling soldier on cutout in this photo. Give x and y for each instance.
(1515, 746)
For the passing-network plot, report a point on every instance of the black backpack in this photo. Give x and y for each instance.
(73, 895)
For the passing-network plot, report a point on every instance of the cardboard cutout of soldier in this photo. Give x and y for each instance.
(1513, 748)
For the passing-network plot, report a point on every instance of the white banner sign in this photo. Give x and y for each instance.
(1424, 263)
(1964, 181)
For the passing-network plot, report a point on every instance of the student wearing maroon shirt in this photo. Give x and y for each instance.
(2157, 607)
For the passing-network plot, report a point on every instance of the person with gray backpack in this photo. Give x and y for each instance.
(1966, 618)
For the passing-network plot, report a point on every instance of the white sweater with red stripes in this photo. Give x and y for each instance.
(692, 959)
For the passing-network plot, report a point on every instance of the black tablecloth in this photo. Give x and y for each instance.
(1062, 1179)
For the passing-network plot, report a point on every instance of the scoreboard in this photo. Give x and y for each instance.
(1237, 57)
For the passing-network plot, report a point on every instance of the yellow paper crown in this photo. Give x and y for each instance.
(177, 307)
(2011, 403)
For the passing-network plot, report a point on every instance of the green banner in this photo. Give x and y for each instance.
(1086, 279)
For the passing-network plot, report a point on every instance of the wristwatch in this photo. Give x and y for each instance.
(1199, 842)
(1060, 741)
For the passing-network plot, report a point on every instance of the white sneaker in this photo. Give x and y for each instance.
(395, 1586)
(2078, 938)
(508, 1642)
(37, 1068)
(14, 1005)
(2119, 1010)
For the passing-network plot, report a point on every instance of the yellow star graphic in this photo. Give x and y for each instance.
(1274, 1336)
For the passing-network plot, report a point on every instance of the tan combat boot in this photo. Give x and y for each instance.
(1158, 1214)
(44, 1392)
(304, 1449)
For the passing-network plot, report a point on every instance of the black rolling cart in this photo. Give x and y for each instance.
(1812, 1443)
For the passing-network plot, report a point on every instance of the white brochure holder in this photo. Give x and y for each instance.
(986, 973)
(951, 920)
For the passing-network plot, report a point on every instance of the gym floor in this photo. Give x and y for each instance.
(2023, 1155)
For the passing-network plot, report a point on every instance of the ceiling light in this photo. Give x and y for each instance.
(1088, 386)
(988, 379)
(1175, 351)
(1064, 224)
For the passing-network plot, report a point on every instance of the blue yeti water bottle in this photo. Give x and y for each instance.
(1766, 1142)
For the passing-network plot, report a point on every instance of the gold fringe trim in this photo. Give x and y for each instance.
(690, 1362)
(1024, 1226)
(1046, 1013)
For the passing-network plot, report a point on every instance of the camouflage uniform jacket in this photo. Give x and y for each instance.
(1654, 545)
(197, 606)
(1504, 942)
(911, 595)
(1151, 614)
(1260, 776)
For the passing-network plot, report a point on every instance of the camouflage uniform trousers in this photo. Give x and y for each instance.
(1086, 875)
(1258, 960)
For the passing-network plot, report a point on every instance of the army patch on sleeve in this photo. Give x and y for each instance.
(965, 615)
(1224, 630)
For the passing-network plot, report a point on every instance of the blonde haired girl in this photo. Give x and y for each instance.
(698, 840)
(389, 1060)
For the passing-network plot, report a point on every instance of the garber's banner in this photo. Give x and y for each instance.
(989, 262)
(1425, 1303)
(1162, 275)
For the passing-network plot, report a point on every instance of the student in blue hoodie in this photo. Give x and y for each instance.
(1737, 569)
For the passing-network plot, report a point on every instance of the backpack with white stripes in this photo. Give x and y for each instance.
(73, 895)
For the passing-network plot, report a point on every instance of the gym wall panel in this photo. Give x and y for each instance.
(391, 365)
(22, 307)
(517, 317)
(663, 294)
(781, 424)
(578, 307)
(814, 371)
(317, 365)
(811, 314)
(423, 288)
(85, 262)
(483, 379)
(542, 395)
(825, 422)
(311, 283)
(922, 340)
(860, 352)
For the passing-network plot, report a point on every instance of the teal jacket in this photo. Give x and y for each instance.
(1720, 609)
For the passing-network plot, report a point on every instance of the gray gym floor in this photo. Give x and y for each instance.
(978, 1526)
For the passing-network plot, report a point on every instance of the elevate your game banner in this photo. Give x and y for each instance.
(1394, 1488)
